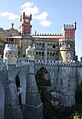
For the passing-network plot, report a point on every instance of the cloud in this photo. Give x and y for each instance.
(45, 23)
(9, 15)
(30, 8)
(42, 16)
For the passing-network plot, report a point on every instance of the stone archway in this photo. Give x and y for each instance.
(22, 78)
(18, 85)
(43, 81)
(43, 77)
(22, 99)
(1, 101)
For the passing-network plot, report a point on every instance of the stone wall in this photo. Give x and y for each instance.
(64, 77)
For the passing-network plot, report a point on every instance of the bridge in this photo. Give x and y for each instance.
(64, 78)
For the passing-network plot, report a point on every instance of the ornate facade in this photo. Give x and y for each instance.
(51, 47)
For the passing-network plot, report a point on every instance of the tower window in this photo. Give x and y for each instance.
(39, 53)
(56, 53)
(51, 54)
(36, 53)
(42, 44)
(23, 55)
(54, 46)
(42, 53)
(26, 30)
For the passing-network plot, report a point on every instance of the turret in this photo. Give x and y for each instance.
(10, 54)
(25, 25)
(67, 43)
(75, 25)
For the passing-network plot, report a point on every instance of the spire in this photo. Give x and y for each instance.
(75, 25)
(12, 26)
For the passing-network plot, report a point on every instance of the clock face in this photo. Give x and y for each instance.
(26, 20)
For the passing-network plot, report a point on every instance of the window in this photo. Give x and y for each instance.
(12, 40)
(42, 44)
(42, 53)
(26, 30)
(53, 53)
(39, 53)
(54, 46)
(36, 53)
(56, 53)
(23, 55)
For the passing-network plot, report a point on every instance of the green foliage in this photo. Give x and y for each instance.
(77, 116)
(1, 28)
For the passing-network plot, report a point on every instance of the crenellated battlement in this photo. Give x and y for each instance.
(56, 63)
(22, 62)
(46, 34)
(68, 26)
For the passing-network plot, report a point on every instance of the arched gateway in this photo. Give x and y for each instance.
(44, 87)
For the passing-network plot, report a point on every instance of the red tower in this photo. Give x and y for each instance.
(25, 26)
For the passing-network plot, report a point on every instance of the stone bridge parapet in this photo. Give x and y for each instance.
(22, 62)
(56, 63)
(3, 66)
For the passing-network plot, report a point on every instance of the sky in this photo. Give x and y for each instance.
(48, 16)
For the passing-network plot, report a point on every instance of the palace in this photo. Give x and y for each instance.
(51, 47)
(33, 66)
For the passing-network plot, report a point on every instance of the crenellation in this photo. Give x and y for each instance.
(22, 62)
(56, 63)
(68, 26)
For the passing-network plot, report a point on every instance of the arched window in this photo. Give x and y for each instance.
(42, 53)
(54, 46)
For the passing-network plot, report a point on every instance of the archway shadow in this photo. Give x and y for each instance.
(44, 87)
(18, 85)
